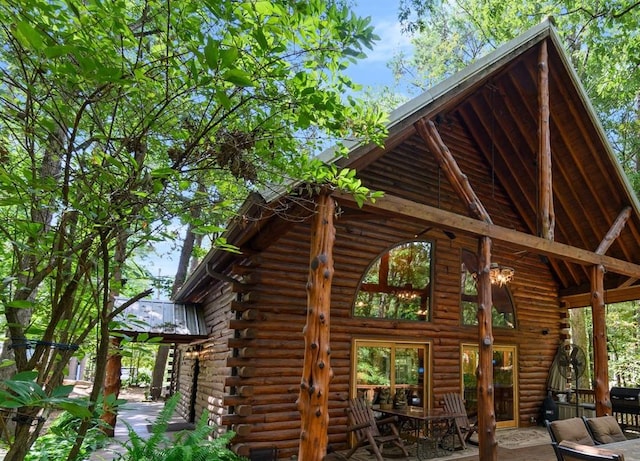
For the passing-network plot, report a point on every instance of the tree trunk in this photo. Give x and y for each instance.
(112, 384)
(313, 401)
(158, 371)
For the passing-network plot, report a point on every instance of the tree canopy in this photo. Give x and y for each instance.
(118, 118)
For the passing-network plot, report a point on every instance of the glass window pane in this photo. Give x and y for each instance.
(410, 373)
(502, 312)
(392, 367)
(398, 284)
(503, 380)
(373, 370)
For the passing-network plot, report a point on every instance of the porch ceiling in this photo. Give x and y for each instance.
(489, 121)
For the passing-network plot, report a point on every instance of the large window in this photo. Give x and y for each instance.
(398, 284)
(392, 368)
(502, 312)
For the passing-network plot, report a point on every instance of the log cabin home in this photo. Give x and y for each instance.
(501, 170)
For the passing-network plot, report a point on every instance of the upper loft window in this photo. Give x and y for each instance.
(398, 284)
(502, 311)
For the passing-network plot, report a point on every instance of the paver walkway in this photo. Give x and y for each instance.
(139, 415)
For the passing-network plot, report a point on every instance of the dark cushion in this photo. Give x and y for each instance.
(605, 429)
(573, 430)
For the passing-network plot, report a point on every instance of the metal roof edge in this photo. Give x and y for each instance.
(234, 232)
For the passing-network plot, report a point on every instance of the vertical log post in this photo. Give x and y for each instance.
(547, 214)
(112, 384)
(488, 445)
(313, 402)
(601, 360)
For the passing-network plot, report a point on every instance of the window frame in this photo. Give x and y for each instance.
(429, 291)
(426, 346)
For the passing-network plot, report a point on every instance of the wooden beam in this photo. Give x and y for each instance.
(313, 401)
(614, 231)
(615, 295)
(488, 446)
(545, 185)
(600, 358)
(451, 221)
(429, 134)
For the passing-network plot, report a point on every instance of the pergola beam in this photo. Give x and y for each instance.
(458, 223)
(614, 231)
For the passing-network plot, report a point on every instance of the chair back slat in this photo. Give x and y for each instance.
(362, 415)
(453, 403)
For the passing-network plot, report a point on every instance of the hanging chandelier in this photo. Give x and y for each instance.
(500, 275)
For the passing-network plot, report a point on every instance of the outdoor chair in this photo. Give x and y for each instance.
(570, 451)
(571, 430)
(453, 403)
(363, 424)
(604, 429)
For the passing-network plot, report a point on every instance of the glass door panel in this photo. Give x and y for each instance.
(504, 382)
(395, 366)
(373, 371)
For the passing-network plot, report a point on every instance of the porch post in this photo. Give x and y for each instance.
(601, 360)
(547, 214)
(313, 401)
(486, 413)
(112, 383)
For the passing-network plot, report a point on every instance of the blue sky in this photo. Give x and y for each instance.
(373, 70)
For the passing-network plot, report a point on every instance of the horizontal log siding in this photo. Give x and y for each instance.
(213, 366)
(268, 346)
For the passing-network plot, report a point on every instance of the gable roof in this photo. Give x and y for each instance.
(492, 106)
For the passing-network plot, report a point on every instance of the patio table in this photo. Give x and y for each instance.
(630, 448)
(430, 428)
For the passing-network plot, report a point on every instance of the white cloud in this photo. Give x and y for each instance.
(391, 41)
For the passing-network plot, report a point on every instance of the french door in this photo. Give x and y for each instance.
(396, 366)
(505, 382)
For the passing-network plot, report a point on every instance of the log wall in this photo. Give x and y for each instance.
(251, 373)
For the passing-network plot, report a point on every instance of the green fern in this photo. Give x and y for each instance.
(192, 445)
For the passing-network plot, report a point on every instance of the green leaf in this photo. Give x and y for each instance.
(62, 391)
(75, 409)
(228, 56)
(25, 376)
(238, 77)
(28, 35)
(211, 54)
(21, 304)
(58, 50)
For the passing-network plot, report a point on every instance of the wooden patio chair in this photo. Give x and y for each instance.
(453, 403)
(571, 451)
(363, 424)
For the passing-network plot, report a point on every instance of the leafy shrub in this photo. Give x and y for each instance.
(193, 445)
(57, 442)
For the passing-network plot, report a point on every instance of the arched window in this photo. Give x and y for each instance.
(502, 312)
(398, 284)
